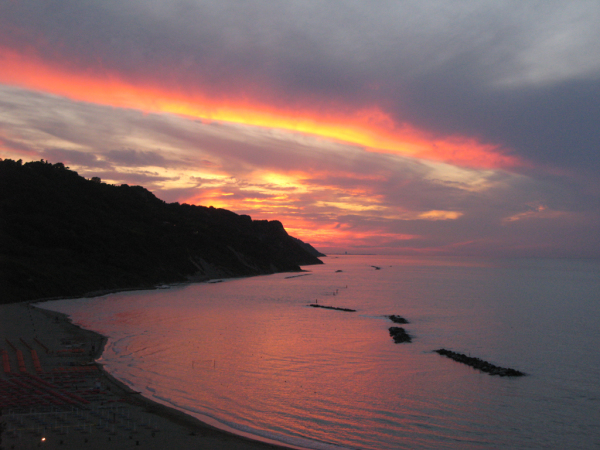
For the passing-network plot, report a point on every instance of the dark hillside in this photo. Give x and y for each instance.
(63, 235)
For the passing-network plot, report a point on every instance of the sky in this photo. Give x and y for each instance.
(393, 127)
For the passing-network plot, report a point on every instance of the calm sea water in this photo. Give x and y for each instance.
(249, 354)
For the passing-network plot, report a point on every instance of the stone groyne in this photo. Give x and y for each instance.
(316, 305)
(479, 364)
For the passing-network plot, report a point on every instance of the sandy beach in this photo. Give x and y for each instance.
(53, 394)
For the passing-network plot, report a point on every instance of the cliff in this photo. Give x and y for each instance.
(63, 235)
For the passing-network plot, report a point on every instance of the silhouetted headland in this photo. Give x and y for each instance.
(62, 235)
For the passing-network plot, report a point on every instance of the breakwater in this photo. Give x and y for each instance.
(316, 305)
(480, 364)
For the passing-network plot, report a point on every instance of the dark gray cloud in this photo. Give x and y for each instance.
(135, 158)
(85, 160)
(148, 179)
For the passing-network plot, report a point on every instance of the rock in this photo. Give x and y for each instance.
(316, 305)
(399, 335)
(397, 319)
(479, 364)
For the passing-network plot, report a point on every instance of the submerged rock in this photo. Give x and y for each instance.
(397, 319)
(399, 335)
(479, 364)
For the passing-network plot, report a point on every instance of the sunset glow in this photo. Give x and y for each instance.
(357, 129)
(371, 128)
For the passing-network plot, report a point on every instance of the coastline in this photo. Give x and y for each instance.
(26, 327)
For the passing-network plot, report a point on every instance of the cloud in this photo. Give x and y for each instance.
(136, 158)
(535, 212)
(77, 158)
(512, 82)
(440, 215)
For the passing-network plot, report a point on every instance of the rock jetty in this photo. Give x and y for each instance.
(399, 335)
(397, 319)
(316, 305)
(479, 364)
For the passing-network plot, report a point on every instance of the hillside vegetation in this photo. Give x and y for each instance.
(64, 235)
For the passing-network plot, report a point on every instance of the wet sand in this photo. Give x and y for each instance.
(53, 395)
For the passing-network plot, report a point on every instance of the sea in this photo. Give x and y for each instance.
(250, 354)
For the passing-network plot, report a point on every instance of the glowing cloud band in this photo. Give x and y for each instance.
(368, 128)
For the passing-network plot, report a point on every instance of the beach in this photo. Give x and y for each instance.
(54, 395)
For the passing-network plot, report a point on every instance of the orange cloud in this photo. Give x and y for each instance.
(440, 215)
(313, 229)
(536, 212)
(369, 128)
(327, 234)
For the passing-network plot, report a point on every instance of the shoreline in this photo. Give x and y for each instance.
(26, 326)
